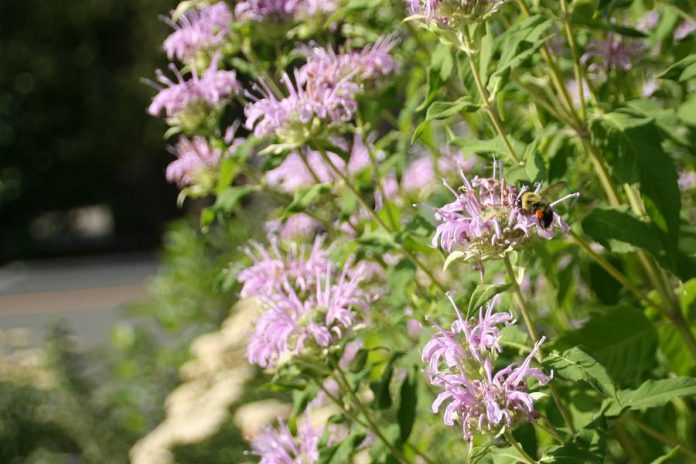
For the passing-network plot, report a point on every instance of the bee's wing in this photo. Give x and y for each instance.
(553, 190)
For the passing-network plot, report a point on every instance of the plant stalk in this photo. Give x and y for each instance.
(533, 335)
(485, 100)
(379, 220)
(518, 447)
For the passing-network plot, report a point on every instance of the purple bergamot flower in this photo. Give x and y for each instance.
(460, 364)
(280, 446)
(488, 218)
(209, 89)
(197, 30)
(310, 302)
(195, 157)
(613, 53)
(323, 92)
(261, 10)
(455, 13)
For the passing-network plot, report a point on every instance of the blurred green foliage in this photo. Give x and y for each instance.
(102, 401)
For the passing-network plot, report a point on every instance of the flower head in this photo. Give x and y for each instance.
(210, 89)
(310, 302)
(197, 30)
(684, 30)
(460, 364)
(261, 10)
(280, 446)
(194, 157)
(324, 91)
(454, 13)
(488, 218)
(299, 226)
(613, 53)
(325, 66)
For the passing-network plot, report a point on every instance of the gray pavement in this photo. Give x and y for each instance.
(86, 293)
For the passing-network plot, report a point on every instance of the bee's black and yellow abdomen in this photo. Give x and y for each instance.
(547, 217)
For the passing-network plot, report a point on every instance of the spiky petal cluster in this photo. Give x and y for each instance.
(197, 30)
(324, 91)
(210, 89)
(324, 65)
(684, 30)
(486, 219)
(310, 302)
(260, 10)
(280, 446)
(460, 364)
(613, 53)
(194, 156)
(455, 13)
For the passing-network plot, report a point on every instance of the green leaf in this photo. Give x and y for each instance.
(536, 169)
(651, 394)
(507, 455)
(667, 457)
(583, 10)
(513, 337)
(632, 147)
(517, 44)
(482, 294)
(665, 118)
(621, 232)
(407, 407)
(682, 70)
(400, 276)
(442, 61)
(445, 109)
(587, 447)
(687, 110)
(229, 198)
(342, 452)
(380, 388)
(306, 197)
(609, 27)
(494, 145)
(622, 339)
(575, 364)
(452, 257)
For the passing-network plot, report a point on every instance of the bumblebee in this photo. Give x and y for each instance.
(534, 203)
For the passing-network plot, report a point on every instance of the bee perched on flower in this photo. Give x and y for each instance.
(490, 217)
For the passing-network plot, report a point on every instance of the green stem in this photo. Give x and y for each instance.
(612, 271)
(602, 172)
(485, 99)
(660, 280)
(628, 443)
(520, 300)
(373, 427)
(663, 438)
(518, 447)
(533, 335)
(550, 429)
(311, 170)
(379, 220)
(579, 78)
(540, 100)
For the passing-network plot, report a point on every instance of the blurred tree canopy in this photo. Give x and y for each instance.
(73, 127)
